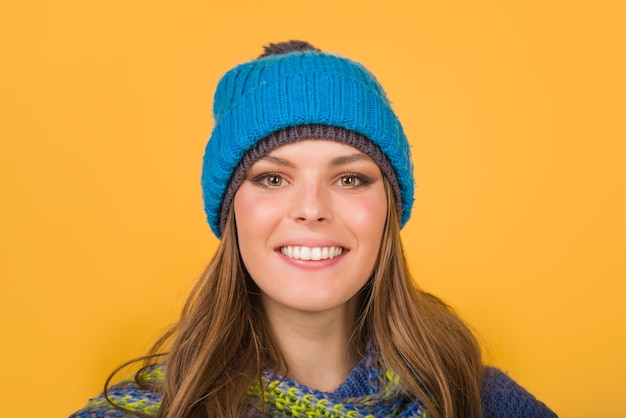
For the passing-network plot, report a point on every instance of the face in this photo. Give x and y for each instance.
(310, 217)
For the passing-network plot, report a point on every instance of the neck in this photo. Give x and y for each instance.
(315, 346)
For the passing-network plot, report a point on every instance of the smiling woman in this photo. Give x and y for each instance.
(328, 202)
(308, 308)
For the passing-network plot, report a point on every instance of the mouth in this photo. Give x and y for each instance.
(310, 253)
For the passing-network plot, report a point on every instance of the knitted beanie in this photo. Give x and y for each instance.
(294, 92)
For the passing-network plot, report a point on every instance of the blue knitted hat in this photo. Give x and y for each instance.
(295, 95)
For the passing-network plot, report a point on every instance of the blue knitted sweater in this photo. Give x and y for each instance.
(369, 392)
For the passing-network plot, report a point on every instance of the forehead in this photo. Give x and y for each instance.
(318, 148)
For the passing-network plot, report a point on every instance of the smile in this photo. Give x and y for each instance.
(311, 253)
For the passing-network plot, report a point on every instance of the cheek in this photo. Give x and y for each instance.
(256, 217)
(247, 235)
(254, 213)
(368, 213)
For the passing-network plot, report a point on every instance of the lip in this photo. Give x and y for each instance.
(310, 242)
(311, 264)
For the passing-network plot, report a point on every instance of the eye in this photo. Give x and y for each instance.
(353, 181)
(274, 180)
(271, 180)
(348, 181)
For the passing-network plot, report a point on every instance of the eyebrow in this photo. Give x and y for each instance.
(278, 160)
(344, 159)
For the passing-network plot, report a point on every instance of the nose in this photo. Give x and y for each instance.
(311, 203)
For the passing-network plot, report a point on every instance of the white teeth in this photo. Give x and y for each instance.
(311, 253)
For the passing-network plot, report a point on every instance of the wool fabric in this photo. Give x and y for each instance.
(258, 98)
(370, 391)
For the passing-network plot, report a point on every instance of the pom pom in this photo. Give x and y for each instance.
(287, 47)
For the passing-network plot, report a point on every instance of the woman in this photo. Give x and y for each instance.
(308, 308)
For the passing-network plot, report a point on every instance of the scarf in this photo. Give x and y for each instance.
(370, 391)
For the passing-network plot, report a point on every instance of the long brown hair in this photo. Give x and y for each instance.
(222, 342)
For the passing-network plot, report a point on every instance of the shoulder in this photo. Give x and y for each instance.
(501, 396)
(128, 399)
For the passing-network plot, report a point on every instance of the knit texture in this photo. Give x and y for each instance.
(370, 391)
(128, 395)
(502, 397)
(260, 97)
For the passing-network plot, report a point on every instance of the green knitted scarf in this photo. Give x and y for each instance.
(370, 391)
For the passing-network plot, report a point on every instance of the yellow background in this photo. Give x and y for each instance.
(516, 115)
